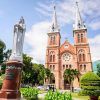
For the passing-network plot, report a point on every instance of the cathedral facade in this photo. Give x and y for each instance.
(60, 57)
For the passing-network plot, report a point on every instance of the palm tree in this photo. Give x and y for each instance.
(48, 74)
(70, 75)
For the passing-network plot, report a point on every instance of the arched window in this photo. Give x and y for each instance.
(66, 66)
(84, 67)
(83, 57)
(53, 58)
(80, 57)
(54, 40)
(50, 67)
(81, 54)
(63, 67)
(81, 68)
(51, 39)
(53, 67)
(50, 58)
(70, 66)
(81, 37)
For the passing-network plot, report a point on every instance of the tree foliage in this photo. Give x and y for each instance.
(98, 69)
(2, 47)
(33, 73)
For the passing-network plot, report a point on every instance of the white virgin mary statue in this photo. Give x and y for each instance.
(18, 39)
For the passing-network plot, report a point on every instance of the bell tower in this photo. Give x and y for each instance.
(52, 51)
(81, 44)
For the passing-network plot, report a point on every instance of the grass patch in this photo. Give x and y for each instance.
(75, 95)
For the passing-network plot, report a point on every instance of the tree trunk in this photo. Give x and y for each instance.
(71, 87)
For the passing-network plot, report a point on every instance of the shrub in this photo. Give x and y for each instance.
(1, 80)
(57, 96)
(90, 84)
(29, 93)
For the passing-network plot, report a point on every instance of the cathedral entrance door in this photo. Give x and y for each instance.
(66, 85)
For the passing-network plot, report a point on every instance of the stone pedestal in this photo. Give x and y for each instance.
(11, 83)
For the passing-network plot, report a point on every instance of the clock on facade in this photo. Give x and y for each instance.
(66, 56)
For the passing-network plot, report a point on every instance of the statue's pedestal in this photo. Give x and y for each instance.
(11, 83)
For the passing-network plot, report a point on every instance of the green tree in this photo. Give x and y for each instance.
(47, 73)
(33, 73)
(98, 69)
(90, 84)
(7, 54)
(70, 75)
(2, 47)
(27, 68)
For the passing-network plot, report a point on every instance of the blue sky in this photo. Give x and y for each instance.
(38, 15)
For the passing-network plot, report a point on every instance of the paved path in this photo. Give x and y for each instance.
(41, 95)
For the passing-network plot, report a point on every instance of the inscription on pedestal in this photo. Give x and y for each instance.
(10, 75)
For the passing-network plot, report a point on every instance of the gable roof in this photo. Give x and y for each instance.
(67, 47)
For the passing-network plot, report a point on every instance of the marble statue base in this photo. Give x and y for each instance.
(11, 83)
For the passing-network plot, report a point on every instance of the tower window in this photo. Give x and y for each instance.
(53, 58)
(81, 67)
(50, 67)
(81, 37)
(83, 57)
(70, 66)
(50, 58)
(63, 66)
(80, 57)
(84, 67)
(52, 40)
(66, 66)
(53, 67)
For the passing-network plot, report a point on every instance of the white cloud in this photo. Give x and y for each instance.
(37, 39)
(95, 47)
(90, 11)
(95, 25)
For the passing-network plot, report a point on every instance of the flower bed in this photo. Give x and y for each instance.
(29, 93)
(57, 96)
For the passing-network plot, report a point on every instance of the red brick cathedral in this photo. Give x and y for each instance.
(62, 56)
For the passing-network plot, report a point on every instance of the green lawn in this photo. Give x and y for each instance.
(75, 95)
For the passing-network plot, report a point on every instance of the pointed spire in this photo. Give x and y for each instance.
(79, 24)
(54, 26)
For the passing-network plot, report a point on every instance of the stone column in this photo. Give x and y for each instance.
(11, 83)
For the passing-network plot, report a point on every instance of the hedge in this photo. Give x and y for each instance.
(90, 84)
